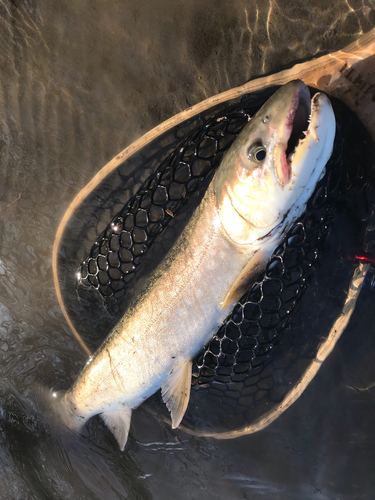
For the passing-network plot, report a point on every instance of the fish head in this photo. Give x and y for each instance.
(276, 160)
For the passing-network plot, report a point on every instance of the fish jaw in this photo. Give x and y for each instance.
(292, 117)
(255, 197)
(317, 145)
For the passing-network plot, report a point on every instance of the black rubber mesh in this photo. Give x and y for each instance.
(248, 335)
(242, 369)
(119, 250)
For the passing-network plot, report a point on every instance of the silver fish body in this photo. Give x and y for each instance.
(255, 196)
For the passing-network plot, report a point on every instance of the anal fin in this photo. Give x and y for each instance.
(118, 422)
(175, 391)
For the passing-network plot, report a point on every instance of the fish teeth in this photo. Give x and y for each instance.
(300, 140)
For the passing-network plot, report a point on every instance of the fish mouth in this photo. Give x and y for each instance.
(294, 130)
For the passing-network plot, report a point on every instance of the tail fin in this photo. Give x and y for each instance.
(62, 406)
(55, 409)
(59, 407)
(118, 423)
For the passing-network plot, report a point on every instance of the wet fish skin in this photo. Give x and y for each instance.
(253, 199)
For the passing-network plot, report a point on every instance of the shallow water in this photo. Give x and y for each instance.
(78, 83)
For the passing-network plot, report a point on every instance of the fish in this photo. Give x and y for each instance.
(259, 190)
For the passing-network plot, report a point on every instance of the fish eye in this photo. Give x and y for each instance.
(257, 153)
(260, 154)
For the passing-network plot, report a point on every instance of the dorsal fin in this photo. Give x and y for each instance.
(175, 391)
(118, 422)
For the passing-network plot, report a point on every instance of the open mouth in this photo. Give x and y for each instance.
(296, 129)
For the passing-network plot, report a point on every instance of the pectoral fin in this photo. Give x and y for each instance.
(175, 391)
(118, 423)
(244, 280)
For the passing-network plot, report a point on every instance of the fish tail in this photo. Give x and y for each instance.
(55, 410)
(61, 411)
(59, 408)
